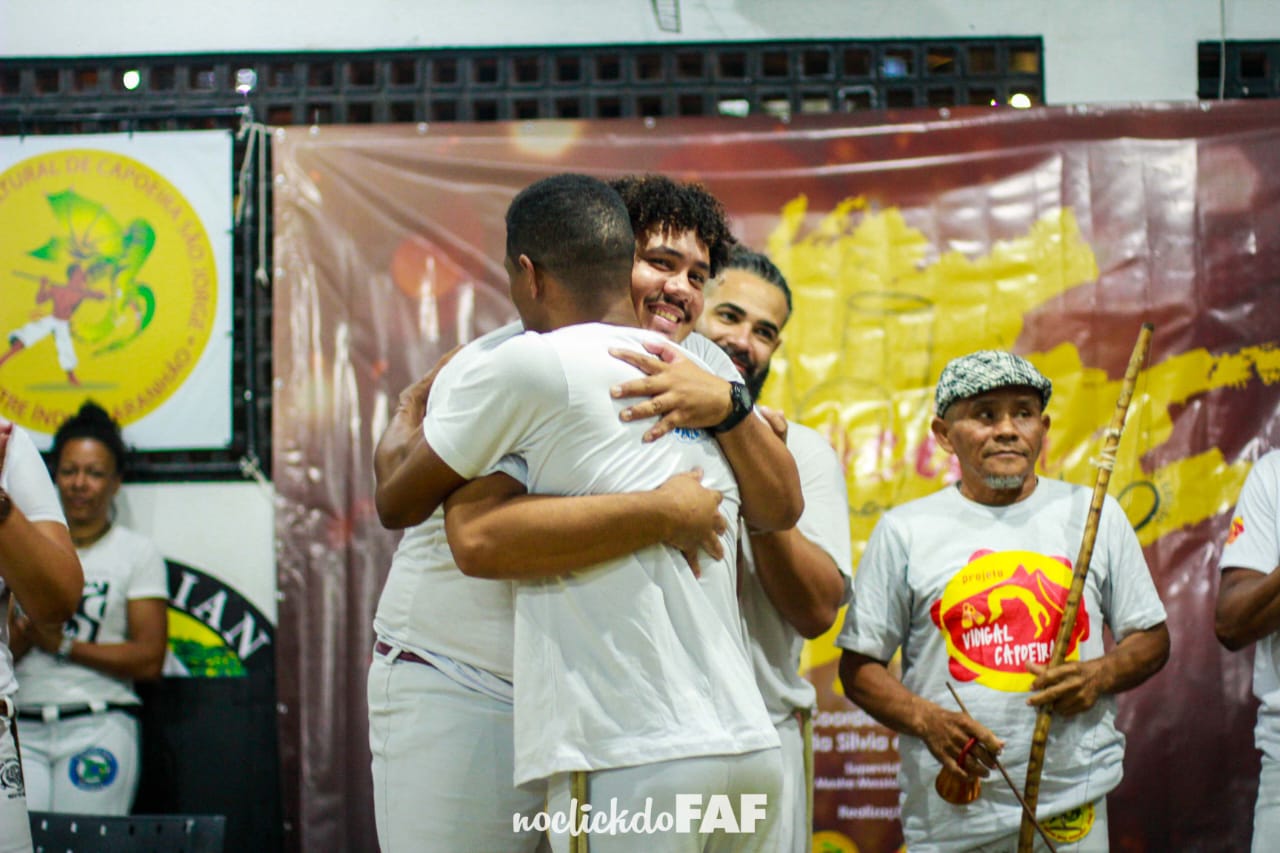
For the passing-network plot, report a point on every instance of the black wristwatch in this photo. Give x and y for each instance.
(740, 397)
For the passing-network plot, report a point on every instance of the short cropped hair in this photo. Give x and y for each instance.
(92, 421)
(658, 204)
(577, 228)
(759, 265)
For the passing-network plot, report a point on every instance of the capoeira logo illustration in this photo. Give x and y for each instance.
(102, 261)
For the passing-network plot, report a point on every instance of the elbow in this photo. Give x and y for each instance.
(151, 670)
(64, 609)
(1163, 657)
(60, 606)
(1231, 627)
(790, 513)
(1229, 636)
(775, 515)
(391, 517)
(817, 621)
(474, 554)
(386, 514)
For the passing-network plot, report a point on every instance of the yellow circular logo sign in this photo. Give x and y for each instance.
(109, 287)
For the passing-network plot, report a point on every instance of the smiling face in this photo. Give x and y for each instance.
(667, 281)
(87, 479)
(744, 317)
(996, 436)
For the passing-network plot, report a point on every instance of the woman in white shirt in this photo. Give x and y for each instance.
(77, 711)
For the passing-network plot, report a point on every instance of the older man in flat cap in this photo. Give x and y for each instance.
(969, 583)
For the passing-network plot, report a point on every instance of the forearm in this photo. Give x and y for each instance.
(129, 660)
(800, 579)
(538, 536)
(869, 685)
(1134, 659)
(415, 489)
(768, 481)
(401, 436)
(39, 563)
(1248, 607)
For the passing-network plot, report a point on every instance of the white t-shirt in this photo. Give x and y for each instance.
(427, 604)
(775, 644)
(971, 594)
(120, 567)
(633, 661)
(709, 353)
(27, 481)
(1254, 543)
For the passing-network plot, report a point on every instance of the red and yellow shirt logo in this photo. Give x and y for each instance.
(1002, 612)
(1237, 528)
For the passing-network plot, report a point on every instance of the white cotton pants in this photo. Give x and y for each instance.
(85, 765)
(795, 824)
(15, 825)
(443, 765)
(712, 789)
(35, 331)
(1266, 809)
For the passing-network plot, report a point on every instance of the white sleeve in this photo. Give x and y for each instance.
(825, 520)
(26, 479)
(514, 467)
(493, 405)
(150, 578)
(714, 357)
(879, 616)
(1130, 601)
(1254, 539)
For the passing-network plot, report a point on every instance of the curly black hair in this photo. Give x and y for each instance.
(659, 204)
(92, 421)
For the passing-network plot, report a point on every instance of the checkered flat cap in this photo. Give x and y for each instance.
(987, 370)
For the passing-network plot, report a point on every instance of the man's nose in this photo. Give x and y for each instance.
(1004, 425)
(678, 284)
(739, 335)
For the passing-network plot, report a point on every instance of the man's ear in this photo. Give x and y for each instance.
(531, 276)
(939, 427)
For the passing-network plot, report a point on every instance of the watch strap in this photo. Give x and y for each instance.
(740, 397)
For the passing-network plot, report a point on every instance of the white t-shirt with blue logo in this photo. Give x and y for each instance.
(633, 661)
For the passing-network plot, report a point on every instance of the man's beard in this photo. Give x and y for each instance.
(1004, 482)
(755, 383)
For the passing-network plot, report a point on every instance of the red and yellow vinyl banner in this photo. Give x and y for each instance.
(908, 239)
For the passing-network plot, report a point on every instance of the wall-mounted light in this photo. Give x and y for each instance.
(1020, 100)
(131, 79)
(246, 80)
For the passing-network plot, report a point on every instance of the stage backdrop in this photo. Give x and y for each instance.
(908, 238)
